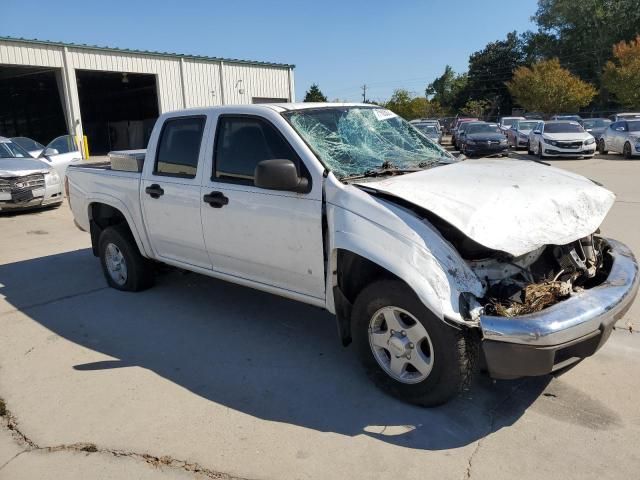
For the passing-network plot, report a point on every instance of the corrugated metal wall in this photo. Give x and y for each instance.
(202, 85)
(256, 81)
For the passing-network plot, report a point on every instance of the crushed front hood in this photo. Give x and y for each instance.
(513, 206)
(18, 167)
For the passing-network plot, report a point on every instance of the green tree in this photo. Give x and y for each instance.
(475, 108)
(408, 106)
(622, 76)
(548, 88)
(314, 94)
(581, 32)
(490, 67)
(446, 89)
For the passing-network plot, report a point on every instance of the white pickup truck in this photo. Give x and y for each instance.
(432, 266)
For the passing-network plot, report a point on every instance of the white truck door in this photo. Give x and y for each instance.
(170, 191)
(267, 236)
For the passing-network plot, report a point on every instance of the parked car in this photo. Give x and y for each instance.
(61, 152)
(483, 139)
(505, 123)
(34, 148)
(596, 126)
(461, 132)
(417, 254)
(624, 116)
(428, 121)
(561, 138)
(518, 134)
(430, 130)
(567, 116)
(621, 137)
(26, 182)
(447, 124)
(533, 116)
(459, 121)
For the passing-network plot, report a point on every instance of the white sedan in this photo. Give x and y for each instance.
(621, 137)
(61, 152)
(561, 138)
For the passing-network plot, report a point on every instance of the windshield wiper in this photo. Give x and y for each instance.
(381, 172)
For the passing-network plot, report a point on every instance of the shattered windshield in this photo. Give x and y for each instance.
(354, 140)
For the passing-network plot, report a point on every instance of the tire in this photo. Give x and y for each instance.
(453, 354)
(626, 151)
(601, 147)
(116, 244)
(529, 151)
(540, 154)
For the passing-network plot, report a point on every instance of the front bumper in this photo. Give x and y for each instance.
(484, 148)
(570, 152)
(549, 340)
(43, 197)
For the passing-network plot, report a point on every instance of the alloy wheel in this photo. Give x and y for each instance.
(116, 264)
(401, 345)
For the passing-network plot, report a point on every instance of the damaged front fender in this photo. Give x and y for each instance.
(398, 241)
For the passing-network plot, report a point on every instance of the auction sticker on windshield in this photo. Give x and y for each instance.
(382, 114)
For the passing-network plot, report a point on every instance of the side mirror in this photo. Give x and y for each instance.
(50, 151)
(280, 174)
(537, 132)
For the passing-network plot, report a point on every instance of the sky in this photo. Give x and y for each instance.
(340, 45)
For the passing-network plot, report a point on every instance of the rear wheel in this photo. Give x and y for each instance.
(602, 147)
(123, 266)
(406, 350)
(626, 151)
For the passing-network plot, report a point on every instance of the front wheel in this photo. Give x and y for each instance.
(626, 151)
(406, 350)
(540, 151)
(602, 147)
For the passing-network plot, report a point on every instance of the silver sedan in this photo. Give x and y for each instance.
(26, 182)
(621, 137)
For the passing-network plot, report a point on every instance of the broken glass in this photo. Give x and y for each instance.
(354, 140)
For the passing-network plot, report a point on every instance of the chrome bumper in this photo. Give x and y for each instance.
(586, 312)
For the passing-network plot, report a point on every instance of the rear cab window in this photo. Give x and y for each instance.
(179, 147)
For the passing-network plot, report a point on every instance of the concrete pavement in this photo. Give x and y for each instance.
(197, 378)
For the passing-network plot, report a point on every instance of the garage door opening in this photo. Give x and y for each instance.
(31, 103)
(118, 109)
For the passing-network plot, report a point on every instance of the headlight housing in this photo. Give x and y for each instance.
(471, 142)
(590, 141)
(51, 178)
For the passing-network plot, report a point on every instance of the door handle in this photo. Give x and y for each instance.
(216, 199)
(154, 191)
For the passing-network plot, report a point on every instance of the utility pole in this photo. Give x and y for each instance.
(364, 93)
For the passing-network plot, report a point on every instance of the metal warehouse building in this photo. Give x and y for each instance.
(113, 96)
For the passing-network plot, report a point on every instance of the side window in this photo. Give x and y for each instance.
(179, 147)
(242, 143)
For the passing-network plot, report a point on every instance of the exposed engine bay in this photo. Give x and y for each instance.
(539, 279)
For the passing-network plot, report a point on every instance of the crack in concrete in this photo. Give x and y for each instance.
(12, 459)
(492, 418)
(165, 461)
(53, 300)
